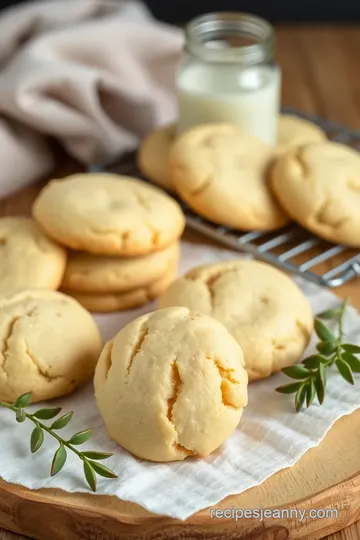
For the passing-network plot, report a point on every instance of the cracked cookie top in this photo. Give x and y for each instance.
(262, 308)
(28, 258)
(221, 172)
(319, 186)
(108, 214)
(171, 384)
(49, 344)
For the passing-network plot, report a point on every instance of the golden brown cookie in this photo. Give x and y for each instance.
(294, 131)
(28, 258)
(153, 155)
(121, 301)
(50, 344)
(108, 214)
(262, 308)
(221, 173)
(170, 385)
(319, 187)
(101, 274)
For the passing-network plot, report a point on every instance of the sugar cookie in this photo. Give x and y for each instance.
(319, 187)
(221, 173)
(153, 155)
(27, 257)
(108, 214)
(171, 384)
(120, 301)
(294, 131)
(50, 344)
(102, 274)
(262, 308)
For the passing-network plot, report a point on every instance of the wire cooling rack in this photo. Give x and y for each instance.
(291, 249)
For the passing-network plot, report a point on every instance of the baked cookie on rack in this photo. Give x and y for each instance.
(108, 214)
(221, 173)
(263, 309)
(318, 185)
(153, 155)
(294, 131)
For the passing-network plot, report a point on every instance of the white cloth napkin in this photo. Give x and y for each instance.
(270, 436)
(97, 75)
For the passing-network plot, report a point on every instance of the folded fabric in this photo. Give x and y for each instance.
(97, 75)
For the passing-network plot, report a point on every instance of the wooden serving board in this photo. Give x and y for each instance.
(327, 477)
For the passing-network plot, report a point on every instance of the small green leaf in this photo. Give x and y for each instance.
(47, 414)
(20, 416)
(353, 362)
(300, 398)
(59, 460)
(345, 371)
(296, 372)
(310, 392)
(326, 347)
(323, 332)
(37, 439)
(320, 383)
(81, 437)
(63, 421)
(289, 388)
(353, 349)
(324, 374)
(23, 401)
(330, 313)
(90, 475)
(102, 470)
(97, 455)
(313, 361)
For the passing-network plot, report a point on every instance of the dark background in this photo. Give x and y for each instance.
(181, 11)
(273, 10)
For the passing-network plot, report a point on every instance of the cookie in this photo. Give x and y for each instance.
(294, 131)
(153, 155)
(49, 343)
(27, 257)
(319, 187)
(121, 301)
(170, 385)
(262, 308)
(108, 214)
(221, 173)
(100, 274)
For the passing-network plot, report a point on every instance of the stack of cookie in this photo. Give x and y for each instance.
(122, 235)
(233, 179)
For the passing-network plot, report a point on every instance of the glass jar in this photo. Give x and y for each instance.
(228, 74)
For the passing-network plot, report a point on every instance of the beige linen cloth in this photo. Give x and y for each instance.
(97, 75)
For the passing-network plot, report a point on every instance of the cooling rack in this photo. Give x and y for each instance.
(291, 249)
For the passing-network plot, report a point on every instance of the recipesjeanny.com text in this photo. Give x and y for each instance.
(262, 513)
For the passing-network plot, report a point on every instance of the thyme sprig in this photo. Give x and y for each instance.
(311, 374)
(90, 459)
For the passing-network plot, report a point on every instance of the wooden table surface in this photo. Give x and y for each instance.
(321, 76)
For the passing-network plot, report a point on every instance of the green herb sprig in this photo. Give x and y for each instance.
(311, 374)
(90, 459)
